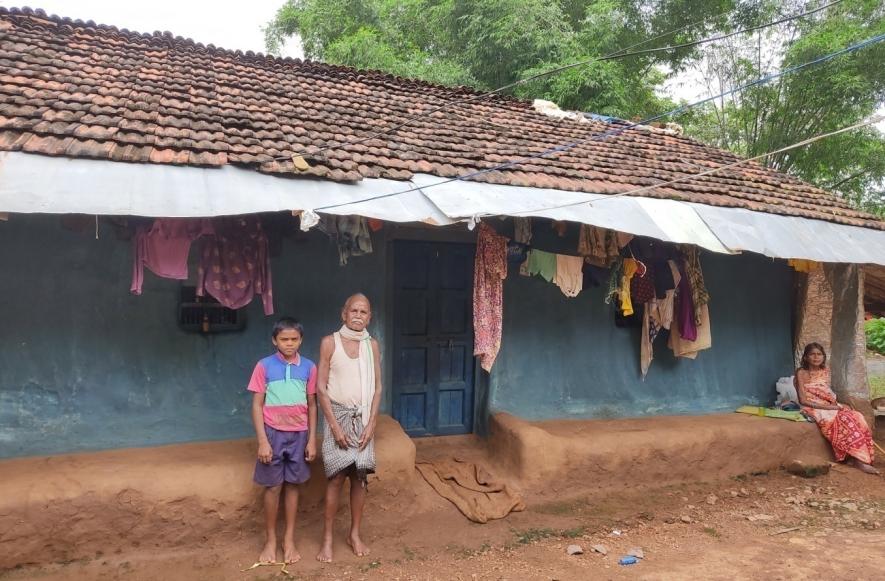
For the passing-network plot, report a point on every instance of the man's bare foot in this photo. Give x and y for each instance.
(290, 553)
(325, 554)
(359, 548)
(863, 466)
(268, 553)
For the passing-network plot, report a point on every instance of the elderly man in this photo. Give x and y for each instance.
(349, 390)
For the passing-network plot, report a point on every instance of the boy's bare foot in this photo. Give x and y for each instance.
(290, 553)
(359, 548)
(268, 553)
(325, 554)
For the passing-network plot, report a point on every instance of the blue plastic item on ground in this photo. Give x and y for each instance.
(628, 561)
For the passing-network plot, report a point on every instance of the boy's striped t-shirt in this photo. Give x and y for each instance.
(286, 387)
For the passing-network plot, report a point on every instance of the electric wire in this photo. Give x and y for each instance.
(595, 137)
(621, 53)
(691, 177)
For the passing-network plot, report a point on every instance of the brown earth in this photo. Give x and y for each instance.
(417, 535)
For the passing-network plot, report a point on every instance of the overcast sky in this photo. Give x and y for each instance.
(231, 24)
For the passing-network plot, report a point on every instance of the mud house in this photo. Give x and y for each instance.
(103, 130)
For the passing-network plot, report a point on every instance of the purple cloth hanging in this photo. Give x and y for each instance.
(688, 330)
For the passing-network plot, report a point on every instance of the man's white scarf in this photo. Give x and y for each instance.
(366, 365)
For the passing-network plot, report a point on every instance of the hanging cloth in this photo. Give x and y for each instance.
(522, 230)
(665, 305)
(630, 267)
(235, 263)
(601, 246)
(569, 275)
(651, 326)
(683, 309)
(542, 263)
(614, 281)
(699, 294)
(801, 265)
(163, 248)
(490, 270)
(642, 287)
(689, 349)
(353, 237)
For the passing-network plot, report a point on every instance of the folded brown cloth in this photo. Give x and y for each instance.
(471, 488)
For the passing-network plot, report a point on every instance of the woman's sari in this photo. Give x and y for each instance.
(846, 429)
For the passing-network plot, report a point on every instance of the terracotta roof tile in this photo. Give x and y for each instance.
(85, 90)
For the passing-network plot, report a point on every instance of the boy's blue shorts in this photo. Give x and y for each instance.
(288, 463)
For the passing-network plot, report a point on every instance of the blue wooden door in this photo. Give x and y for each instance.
(433, 337)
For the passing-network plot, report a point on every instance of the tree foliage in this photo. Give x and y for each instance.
(816, 100)
(491, 43)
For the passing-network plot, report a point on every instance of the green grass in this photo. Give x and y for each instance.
(532, 535)
(712, 532)
(877, 387)
(369, 566)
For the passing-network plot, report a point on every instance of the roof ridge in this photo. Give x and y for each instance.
(43, 18)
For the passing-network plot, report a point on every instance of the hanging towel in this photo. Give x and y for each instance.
(543, 264)
(569, 275)
(489, 272)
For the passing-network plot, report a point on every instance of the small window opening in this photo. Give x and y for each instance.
(206, 315)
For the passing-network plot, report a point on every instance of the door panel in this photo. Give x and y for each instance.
(433, 337)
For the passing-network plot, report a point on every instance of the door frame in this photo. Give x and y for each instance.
(421, 233)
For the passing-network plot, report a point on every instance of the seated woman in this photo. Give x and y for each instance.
(845, 428)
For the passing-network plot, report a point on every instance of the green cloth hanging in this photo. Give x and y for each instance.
(543, 264)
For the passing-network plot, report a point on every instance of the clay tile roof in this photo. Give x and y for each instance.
(78, 89)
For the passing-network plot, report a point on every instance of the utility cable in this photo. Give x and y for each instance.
(621, 53)
(565, 147)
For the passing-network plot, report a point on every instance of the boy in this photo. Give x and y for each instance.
(284, 412)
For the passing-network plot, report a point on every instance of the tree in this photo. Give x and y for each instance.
(491, 43)
(816, 100)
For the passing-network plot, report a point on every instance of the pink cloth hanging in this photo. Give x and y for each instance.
(164, 247)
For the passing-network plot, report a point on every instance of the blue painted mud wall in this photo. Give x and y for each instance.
(84, 365)
(564, 357)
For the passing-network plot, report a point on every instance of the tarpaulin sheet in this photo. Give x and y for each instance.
(40, 184)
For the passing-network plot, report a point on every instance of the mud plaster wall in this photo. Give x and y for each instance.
(829, 311)
(593, 368)
(84, 365)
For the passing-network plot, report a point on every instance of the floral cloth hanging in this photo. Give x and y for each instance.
(490, 270)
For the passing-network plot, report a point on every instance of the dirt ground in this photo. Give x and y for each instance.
(759, 526)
